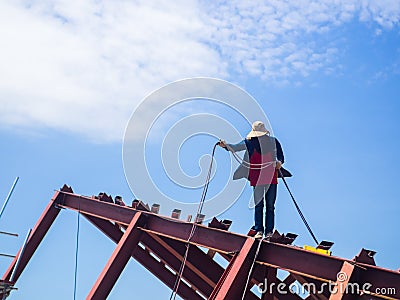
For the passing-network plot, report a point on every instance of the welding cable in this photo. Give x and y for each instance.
(193, 229)
(251, 268)
(246, 163)
(298, 209)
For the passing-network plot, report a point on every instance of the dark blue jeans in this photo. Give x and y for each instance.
(267, 193)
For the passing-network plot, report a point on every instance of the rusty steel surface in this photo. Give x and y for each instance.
(120, 257)
(233, 281)
(159, 243)
(39, 231)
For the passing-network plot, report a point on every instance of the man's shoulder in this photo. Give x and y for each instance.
(268, 137)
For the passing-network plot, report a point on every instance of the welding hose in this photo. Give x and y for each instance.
(193, 229)
(246, 163)
(298, 208)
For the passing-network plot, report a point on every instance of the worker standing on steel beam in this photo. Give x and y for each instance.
(262, 159)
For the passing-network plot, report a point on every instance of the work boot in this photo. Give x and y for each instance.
(268, 236)
(259, 235)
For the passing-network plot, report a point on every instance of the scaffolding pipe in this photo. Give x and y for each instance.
(20, 255)
(7, 255)
(9, 196)
(9, 233)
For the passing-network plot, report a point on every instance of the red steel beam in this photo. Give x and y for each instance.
(323, 267)
(97, 208)
(377, 281)
(282, 292)
(235, 275)
(143, 257)
(118, 259)
(158, 269)
(297, 261)
(343, 279)
(162, 225)
(169, 255)
(316, 289)
(293, 259)
(271, 280)
(39, 231)
(200, 261)
(201, 283)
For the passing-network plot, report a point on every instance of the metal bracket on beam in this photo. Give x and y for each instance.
(118, 200)
(366, 257)
(224, 224)
(155, 208)
(105, 198)
(282, 238)
(325, 245)
(176, 213)
(199, 218)
(67, 189)
(140, 205)
(59, 201)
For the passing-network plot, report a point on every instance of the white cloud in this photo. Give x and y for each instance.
(82, 66)
(263, 39)
(384, 12)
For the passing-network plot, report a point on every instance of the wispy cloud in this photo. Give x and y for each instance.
(282, 39)
(82, 66)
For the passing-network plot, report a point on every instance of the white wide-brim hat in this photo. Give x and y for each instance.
(257, 129)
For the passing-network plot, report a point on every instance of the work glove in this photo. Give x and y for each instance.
(222, 144)
(278, 164)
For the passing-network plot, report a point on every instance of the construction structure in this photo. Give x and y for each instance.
(159, 243)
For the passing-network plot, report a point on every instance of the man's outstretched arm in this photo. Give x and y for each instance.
(233, 147)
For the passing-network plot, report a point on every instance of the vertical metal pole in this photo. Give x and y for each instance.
(20, 255)
(9, 196)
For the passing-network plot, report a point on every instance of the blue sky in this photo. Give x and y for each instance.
(326, 74)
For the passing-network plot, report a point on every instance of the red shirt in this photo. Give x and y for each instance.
(262, 169)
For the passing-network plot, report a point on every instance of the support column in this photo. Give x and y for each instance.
(118, 260)
(271, 282)
(157, 268)
(343, 279)
(39, 231)
(173, 259)
(232, 283)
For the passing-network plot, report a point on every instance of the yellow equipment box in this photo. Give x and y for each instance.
(317, 250)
